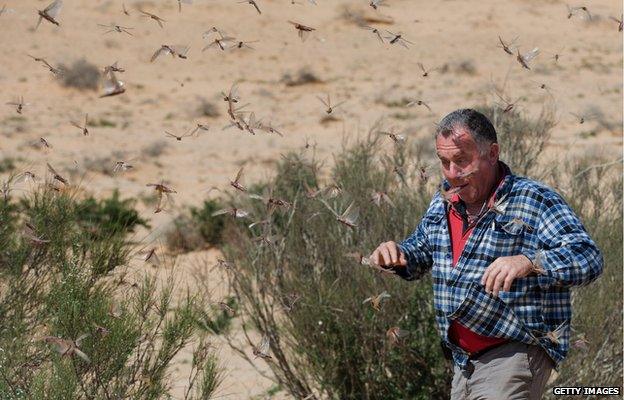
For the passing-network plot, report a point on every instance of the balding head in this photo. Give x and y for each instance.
(471, 121)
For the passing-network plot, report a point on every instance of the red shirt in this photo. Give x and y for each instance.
(460, 231)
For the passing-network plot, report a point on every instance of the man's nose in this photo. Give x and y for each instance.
(454, 171)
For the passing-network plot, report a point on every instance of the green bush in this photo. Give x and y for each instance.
(522, 139)
(593, 187)
(61, 287)
(109, 216)
(328, 342)
(197, 228)
(7, 164)
(210, 227)
(217, 319)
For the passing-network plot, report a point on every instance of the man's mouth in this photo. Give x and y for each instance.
(457, 189)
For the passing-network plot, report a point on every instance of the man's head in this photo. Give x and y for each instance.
(468, 150)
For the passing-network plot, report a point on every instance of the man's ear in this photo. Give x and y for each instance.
(494, 153)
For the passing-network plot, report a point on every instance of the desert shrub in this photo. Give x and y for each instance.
(155, 149)
(210, 227)
(7, 164)
(217, 319)
(522, 139)
(81, 75)
(304, 76)
(196, 227)
(593, 187)
(103, 122)
(207, 108)
(69, 328)
(295, 283)
(465, 67)
(101, 164)
(183, 235)
(108, 216)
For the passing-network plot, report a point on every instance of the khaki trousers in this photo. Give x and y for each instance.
(512, 371)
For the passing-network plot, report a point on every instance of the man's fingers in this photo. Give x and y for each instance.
(500, 275)
(392, 249)
(385, 256)
(388, 254)
(498, 282)
(489, 283)
(487, 272)
(508, 281)
(485, 275)
(375, 257)
(402, 260)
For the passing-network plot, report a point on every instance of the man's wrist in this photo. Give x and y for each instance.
(530, 266)
(544, 279)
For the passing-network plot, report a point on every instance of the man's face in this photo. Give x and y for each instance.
(463, 165)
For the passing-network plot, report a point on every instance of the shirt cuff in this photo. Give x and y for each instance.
(544, 280)
(404, 272)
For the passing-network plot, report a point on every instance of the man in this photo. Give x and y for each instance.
(503, 252)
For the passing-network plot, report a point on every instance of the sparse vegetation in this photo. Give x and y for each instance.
(72, 326)
(593, 187)
(305, 76)
(13, 124)
(197, 228)
(207, 108)
(7, 164)
(101, 164)
(392, 103)
(102, 122)
(402, 115)
(154, 149)
(217, 319)
(603, 121)
(80, 75)
(306, 295)
(149, 198)
(109, 216)
(466, 67)
(522, 139)
(183, 235)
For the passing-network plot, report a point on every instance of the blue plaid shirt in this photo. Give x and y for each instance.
(532, 220)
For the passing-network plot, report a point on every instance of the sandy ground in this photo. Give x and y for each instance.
(375, 79)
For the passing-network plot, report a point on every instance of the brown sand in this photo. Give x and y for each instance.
(374, 78)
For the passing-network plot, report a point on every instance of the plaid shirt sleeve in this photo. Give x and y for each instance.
(418, 254)
(417, 251)
(566, 254)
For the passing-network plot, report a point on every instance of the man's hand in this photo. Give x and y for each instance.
(503, 271)
(388, 254)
